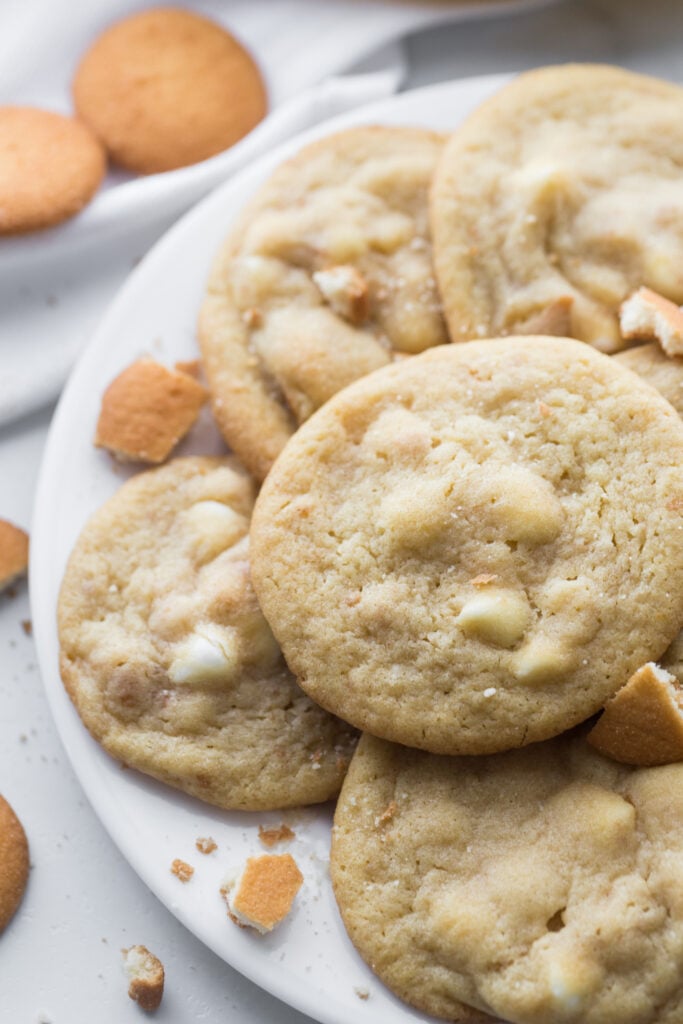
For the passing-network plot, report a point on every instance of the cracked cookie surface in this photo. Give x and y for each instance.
(167, 657)
(472, 550)
(562, 192)
(326, 276)
(539, 885)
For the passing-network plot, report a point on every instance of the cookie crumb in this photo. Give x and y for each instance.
(146, 973)
(362, 993)
(182, 870)
(649, 316)
(13, 553)
(206, 844)
(272, 836)
(643, 723)
(262, 894)
(27, 627)
(146, 411)
(483, 579)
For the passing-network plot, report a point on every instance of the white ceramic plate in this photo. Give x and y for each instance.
(308, 962)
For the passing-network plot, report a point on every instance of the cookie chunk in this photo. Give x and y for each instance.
(146, 974)
(327, 274)
(147, 410)
(643, 723)
(661, 371)
(14, 863)
(166, 88)
(564, 184)
(539, 886)
(166, 654)
(50, 167)
(14, 544)
(474, 549)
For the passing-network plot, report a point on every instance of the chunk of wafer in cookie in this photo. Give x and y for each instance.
(643, 723)
(553, 319)
(146, 411)
(146, 973)
(13, 553)
(648, 316)
(262, 894)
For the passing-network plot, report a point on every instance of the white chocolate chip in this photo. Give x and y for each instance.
(495, 616)
(209, 655)
(540, 661)
(214, 527)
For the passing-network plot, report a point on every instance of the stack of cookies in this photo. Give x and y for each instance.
(464, 551)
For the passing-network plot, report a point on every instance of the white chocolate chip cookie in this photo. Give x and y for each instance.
(473, 549)
(539, 886)
(327, 274)
(167, 657)
(564, 188)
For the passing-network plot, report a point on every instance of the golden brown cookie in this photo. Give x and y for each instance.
(542, 886)
(475, 548)
(14, 863)
(166, 88)
(14, 544)
(50, 167)
(327, 276)
(147, 410)
(168, 659)
(562, 185)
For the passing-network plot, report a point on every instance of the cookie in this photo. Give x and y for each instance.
(564, 184)
(14, 544)
(473, 549)
(147, 410)
(166, 88)
(661, 371)
(167, 657)
(50, 167)
(643, 723)
(539, 886)
(14, 863)
(327, 274)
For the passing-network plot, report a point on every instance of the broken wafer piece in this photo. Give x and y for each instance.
(345, 291)
(648, 316)
(146, 973)
(147, 410)
(643, 723)
(262, 894)
(13, 553)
